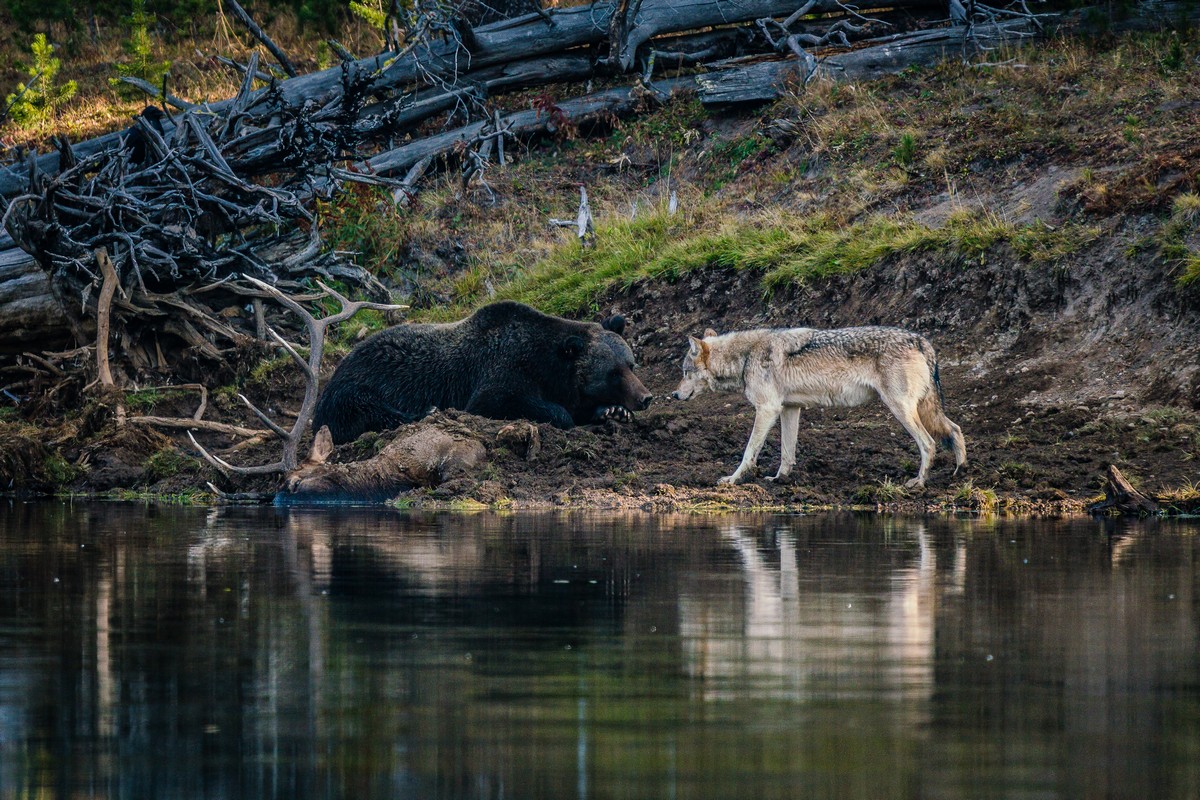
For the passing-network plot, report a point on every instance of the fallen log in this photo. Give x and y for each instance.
(29, 313)
(552, 32)
(761, 81)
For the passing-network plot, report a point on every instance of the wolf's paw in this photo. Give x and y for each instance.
(729, 480)
(915, 483)
(618, 413)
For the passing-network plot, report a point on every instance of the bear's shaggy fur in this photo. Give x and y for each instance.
(505, 361)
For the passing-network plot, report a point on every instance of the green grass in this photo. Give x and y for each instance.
(188, 497)
(142, 400)
(905, 150)
(60, 471)
(785, 249)
(167, 463)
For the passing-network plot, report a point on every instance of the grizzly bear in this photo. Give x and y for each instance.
(505, 361)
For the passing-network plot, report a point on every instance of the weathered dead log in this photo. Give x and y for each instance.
(1120, 497)
(609, 104)
(762, 81)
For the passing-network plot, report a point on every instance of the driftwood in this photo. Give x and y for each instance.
(582, 223)
(1121, 498)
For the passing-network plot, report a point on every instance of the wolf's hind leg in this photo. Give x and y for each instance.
(764, 420)
(789, 432)
(907, 414)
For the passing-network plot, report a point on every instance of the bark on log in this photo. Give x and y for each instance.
(29, 313)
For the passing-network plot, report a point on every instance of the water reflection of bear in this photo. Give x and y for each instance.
(735, 587)
(528, 571)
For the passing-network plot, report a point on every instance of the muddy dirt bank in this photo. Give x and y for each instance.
(1052, 374)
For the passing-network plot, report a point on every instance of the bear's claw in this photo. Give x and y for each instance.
(618, 413)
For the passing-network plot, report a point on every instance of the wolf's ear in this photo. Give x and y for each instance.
(709, 333)
(615, 323)
(572, 347)
(694, 345)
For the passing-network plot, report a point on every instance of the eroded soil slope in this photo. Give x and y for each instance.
(1052, 375)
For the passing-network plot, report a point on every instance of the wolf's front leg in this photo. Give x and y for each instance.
(789, 431)
(764, 420)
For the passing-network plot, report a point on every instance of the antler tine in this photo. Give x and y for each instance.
(281, 297)
(279, 431)
(352, 307)
(311, 367)
(286, 345)
(227, 468)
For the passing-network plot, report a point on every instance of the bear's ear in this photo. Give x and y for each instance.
(573, 346)
(709, 333)
(615, 323)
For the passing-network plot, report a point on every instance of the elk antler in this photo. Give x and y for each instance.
(311, 368)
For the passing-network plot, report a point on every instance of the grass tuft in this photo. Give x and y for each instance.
(982, 500)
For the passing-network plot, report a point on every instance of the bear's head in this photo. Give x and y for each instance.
(604, 378)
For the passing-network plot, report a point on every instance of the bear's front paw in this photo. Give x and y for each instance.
(618, 413)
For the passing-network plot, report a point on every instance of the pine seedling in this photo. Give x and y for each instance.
(141, 63)
(39, 99)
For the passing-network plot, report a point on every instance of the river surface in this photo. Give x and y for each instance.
(150, 652)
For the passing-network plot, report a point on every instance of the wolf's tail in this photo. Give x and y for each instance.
(931, 411)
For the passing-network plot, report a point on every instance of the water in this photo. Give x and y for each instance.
(166, 652)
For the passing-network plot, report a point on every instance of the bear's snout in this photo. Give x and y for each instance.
(637, 396)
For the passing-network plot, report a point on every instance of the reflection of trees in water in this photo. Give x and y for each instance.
(239, 652)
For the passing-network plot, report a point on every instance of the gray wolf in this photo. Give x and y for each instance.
(782, 370)
(505, 361)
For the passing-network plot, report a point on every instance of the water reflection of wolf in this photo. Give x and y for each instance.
(787, 641)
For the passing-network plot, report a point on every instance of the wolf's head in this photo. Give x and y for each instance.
(696, 373)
